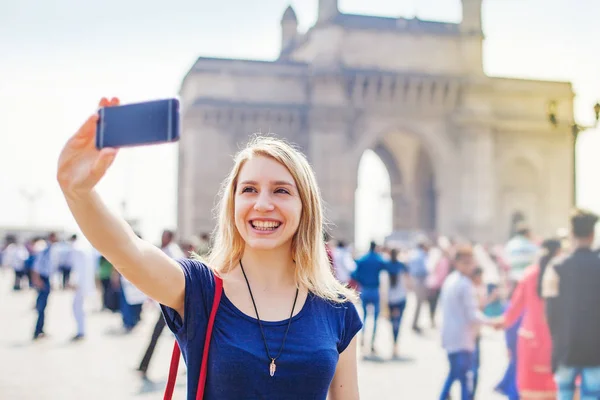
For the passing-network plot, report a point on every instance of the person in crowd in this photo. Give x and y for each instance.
(435, 279)
(82, 280)
(367, 273)
(14, 256)
(44, 267)
(398, 273)
(520, 252)
(344, 263)
(534, 344)
(461, 319)
(417, 267)
(64, 250)
(110, 298)
(571, 287)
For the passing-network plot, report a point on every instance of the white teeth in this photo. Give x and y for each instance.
(265, 224)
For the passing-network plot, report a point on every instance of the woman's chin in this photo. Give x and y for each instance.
(264, 244)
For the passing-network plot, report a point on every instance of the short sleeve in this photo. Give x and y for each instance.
(352, 324)
(403, 268)
(199, 292)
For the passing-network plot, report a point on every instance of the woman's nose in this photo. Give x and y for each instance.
(263, 203)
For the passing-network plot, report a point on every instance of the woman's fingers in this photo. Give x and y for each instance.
(103, 102)
(103, 162)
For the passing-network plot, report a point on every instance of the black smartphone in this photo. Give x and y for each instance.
(138, 124)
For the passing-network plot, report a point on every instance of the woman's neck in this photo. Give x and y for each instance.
(269, 269)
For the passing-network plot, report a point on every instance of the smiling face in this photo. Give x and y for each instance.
(267, 204)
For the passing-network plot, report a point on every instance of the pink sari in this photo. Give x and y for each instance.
(534, 346)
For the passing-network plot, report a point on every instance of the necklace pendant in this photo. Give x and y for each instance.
(272, 367)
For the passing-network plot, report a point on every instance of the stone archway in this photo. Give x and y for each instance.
(426, 145)
(520, 193)
(413, 187)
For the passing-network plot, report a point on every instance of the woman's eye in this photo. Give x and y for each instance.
(247, 189)
(282, 191)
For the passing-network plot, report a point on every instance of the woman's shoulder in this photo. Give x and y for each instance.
(342, 315)
(197, 271)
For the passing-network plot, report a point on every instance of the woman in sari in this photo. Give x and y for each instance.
(534, 344)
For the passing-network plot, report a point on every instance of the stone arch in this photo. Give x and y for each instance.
(442, 154)
(520, 190)
(389, 160)
(525, 155)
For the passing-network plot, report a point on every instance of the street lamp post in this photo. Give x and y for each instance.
(32, 198)
(576, 129)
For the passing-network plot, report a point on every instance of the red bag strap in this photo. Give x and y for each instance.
(177, 351)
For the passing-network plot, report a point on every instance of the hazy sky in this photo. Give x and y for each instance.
(60, 57)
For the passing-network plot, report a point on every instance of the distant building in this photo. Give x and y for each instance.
(465, 152)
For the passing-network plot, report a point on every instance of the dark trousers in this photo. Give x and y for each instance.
(460, 366)
(433, 298)
(370, 296)
(66, 275)
(131, 313)
(396, 312)
(40, 306)
(475, 366)
(421, 297)
(105, 292)
(158, 328)
(19, 275)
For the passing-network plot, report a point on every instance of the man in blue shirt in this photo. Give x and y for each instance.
(44, 265)
(366, 274)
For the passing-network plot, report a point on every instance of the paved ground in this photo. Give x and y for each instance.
(102, 367)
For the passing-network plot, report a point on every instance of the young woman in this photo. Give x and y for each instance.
(534, 343)
(398, 273)
(285, 327)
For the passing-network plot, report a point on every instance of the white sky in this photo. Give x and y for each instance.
(60, 57)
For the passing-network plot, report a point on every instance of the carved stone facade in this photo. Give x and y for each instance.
(464, 151)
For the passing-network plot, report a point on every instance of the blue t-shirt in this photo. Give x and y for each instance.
(238, 366)
(368, 269)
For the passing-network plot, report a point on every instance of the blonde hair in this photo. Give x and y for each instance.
(313, 269)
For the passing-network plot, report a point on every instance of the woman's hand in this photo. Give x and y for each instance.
(80, 164)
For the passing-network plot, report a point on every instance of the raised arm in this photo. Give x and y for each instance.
(80, 168)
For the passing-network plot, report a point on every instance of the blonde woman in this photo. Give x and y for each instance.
(285, 327)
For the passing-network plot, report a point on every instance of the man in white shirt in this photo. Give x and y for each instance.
(520, 252)
(461, 321)
(83, 262)
(14, 256)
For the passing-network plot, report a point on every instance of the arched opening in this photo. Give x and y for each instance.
(519, 195)
(396, 193)
(373, 212)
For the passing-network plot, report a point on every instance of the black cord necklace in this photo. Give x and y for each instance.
(272, 366)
